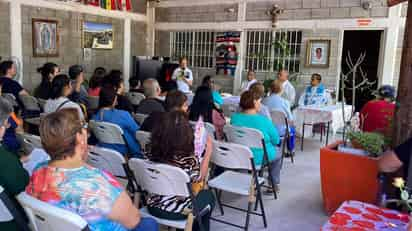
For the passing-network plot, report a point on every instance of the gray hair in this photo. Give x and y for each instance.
(151, 87)
(5, 109)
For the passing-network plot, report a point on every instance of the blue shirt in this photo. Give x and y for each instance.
(263, 124)
(275, 101)
(129, 126)
(217, 98)
(10, 141)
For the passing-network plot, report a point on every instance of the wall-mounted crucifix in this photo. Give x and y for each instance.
(275, 11)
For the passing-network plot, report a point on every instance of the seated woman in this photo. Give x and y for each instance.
(377, 114)
(209, 82)
(95, 82)
(175, 101)
(108, 113)
(61, 89)
(259, 89)
(315, 94)
(114, 80)
(173, 144)
(203, 106)
(48, 71)
(250, 103)
(13, 176)
(276, 102)
(69, 183)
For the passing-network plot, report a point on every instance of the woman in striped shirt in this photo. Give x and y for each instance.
(173, 143)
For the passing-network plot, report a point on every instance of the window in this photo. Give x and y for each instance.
(271, 50)
(197, 46)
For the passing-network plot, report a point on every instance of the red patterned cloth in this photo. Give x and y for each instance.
(359, 216)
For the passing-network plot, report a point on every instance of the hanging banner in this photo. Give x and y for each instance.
(227, 55)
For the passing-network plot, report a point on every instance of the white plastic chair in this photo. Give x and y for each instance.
(144, 138)
(252, 138)
(30, 103)
(46, 217)
(229, 109)
(140, 118)
(210, 128)
(108, 133)
(135, 97)
(29, 142)
(113, 162)
(164, 180)
(93, 102)
(237, 157)
(42, 102)
(280, 120)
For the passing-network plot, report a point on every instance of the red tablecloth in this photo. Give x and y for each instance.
(359, 216)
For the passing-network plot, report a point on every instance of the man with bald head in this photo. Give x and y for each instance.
(289, 92)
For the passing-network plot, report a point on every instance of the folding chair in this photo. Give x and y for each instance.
(31, 107)
(229, 109)
(144, 140)
(108, 133)
(139, 117)
(93, 103)
(237, 157)
(46, 217)
(135, 98)
(11, 99)
(166, 180)
(41, 102)
(251, 138)
(29, 142)
(9, 211)
(113, 162)
(210, 128)
(280, 120)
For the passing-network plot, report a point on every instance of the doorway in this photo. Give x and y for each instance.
(355, 43)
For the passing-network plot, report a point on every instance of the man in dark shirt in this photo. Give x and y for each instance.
(152, 103)
(13, 177)
(392, 160)
(9, 85)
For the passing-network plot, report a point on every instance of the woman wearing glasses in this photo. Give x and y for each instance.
(69, 183)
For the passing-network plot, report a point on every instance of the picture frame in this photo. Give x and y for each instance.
(318, 53)
(45, 37)
(98, 35)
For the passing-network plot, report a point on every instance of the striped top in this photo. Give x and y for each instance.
(176, 204)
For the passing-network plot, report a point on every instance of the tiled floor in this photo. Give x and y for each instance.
(299, 206)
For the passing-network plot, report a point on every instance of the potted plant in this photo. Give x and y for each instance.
(348, 168)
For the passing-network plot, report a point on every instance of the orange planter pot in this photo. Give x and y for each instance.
(347, 177)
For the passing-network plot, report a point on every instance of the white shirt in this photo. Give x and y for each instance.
(289, 92)
(52, 105)
(178, 74)
(247, 84)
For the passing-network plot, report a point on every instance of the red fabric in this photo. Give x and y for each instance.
(128, 5)
(113, 4)
(377, 115)
(94, 92)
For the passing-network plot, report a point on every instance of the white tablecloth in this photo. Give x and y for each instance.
(315, 115)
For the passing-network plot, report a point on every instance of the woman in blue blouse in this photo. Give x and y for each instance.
(108, 113)
(250, 103)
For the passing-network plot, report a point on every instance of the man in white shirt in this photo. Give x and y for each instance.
(251, 79)
(289, 92)
(183, 76)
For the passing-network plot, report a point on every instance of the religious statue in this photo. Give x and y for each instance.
(275, 11)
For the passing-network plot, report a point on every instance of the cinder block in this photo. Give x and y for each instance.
(329, 3)
(358, 12)
(321, 13)
(342, 12)
(303, 14)
(311, 4)
(294, 4)
(350, 3)
(379, 12)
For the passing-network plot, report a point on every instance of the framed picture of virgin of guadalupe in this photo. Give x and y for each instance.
(45, 38)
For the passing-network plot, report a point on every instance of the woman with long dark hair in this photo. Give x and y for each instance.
(203, 106)
(95, 82)
(173, 144)
(48, 71)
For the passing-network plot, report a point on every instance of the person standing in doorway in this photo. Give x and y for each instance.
(183, 76)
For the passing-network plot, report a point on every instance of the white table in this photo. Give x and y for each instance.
(330, 115)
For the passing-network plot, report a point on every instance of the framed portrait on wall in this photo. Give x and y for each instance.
(45, 38)
(318, 53)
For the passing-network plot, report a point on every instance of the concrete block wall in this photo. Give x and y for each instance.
(138, 40)
(316, 9)
(210, 13)
(4, 30)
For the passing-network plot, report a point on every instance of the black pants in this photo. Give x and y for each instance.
(203, 199)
